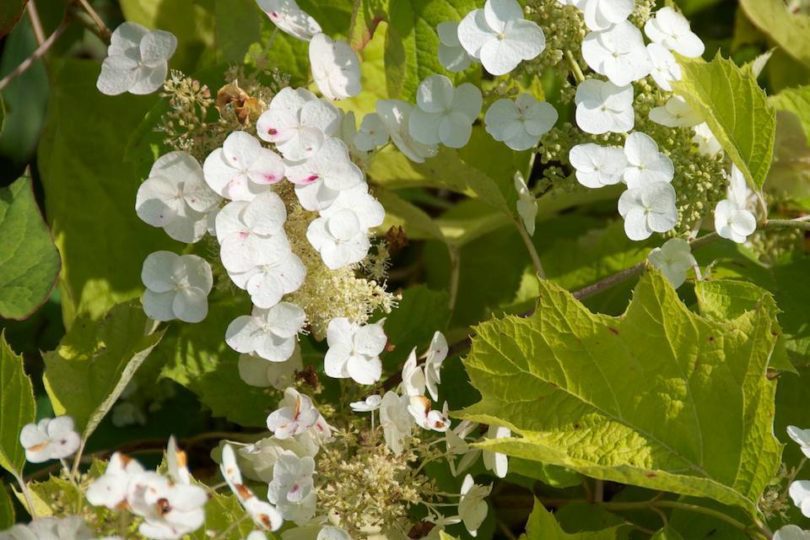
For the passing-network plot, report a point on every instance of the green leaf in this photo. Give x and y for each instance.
(221, 513)
(667, 533)
(796, 101)
(6, 508)
(90, 192)
(786, 29)
(196, 356)
(659, 397)
(737, 111)
(95, 360)
(543, 526)
(16, 407)
(421, 312)
(29, 262)
(10, 13)
(238, 24)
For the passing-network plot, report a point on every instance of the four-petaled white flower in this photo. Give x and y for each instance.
(297, 122)
(603, 107)
(444, 114)
(520, 123)
(800, 493)
(671, 29)
(676, 112)
(526, 205)
(396, 115)
(732, 219)
(801, 437)
(705, 140)
(339, 237)
(277, 271)
(268, 333)
(246, 229)
(335, 67)
(50, 438)
(262, 373)
(645, 163)
(295, 415)
(647, 209)
(242, 168)
(137, 60)
(436, 354)
(370, 404)
(371, 134)
(495, 461)
(262, 513)
(111, 488)
(177, 286)
(330, 168)
(290, 19)
(472, 507)
(663, 67)
(396, 421)
(176, 198)
(292, 489)
(597, 166)
(618, 53)
(170, 510)
(451, 54)
(674, 259)
(791, 532)
(354, 350)
(602, 14)
(500, 37)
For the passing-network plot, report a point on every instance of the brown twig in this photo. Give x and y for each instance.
(36, 55)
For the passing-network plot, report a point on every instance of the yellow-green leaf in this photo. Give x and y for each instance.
(17, 407)
(788, 30)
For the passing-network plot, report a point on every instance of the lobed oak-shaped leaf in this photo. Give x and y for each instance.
(659, 397)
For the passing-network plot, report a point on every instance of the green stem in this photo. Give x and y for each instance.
(799, 223)
(676, 505)
(455, 275)
(575, 69)
(527, 240)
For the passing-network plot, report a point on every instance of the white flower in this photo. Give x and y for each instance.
(49, 439)
(340, 238)
(457, 445)
(444, 114)
(618, 53)
(603, 107)
(675, 113)
(298, 123)
(663, 67)
(250, 232)
(671, 29)
(648, 208)
(800, 493)
(372, 133)
(177, 463)
(520, 123)
(268, 333)
(436, 354)
(354, 350)
(413, 377)
(495, 461)
(674, 259)
(170, 510)
(801, 437)
(395, 420)
(256, 535)
(177, 287)
(278, 271)
(67, 528)
(295, 415)
(242, 168)
(791, 532)
(333, 533)
(259, 372)
(330, 167)
(137, 60)
(335, 67)
(645, 164)
(395, 115)
(263, 514)
(111, 488)
(451, 54)
(370, 404)
(292, 489)
(500, 37)
(425, 417)
(472, 507)
(602, 14)
(705, 140)
(597, 166)
(290, 19)
(526, 204)
(176, 197)
(732, 219)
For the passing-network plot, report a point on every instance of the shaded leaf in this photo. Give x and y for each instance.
(16, 407)
(788, 30)
(543, 526)
(10, 13)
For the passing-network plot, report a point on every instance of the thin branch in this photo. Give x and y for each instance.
(36, 22)
(103, 31)
(575, 69)
(36, 55)
(798, 223)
